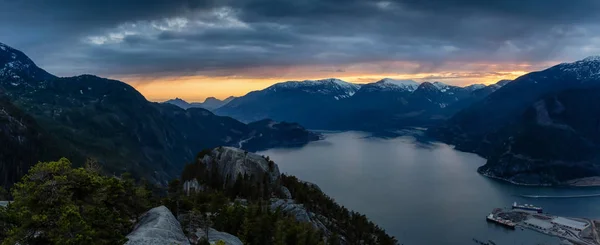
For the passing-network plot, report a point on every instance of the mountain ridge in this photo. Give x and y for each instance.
(210, 103)
(332, 104)
(525, 110)
(112, 122)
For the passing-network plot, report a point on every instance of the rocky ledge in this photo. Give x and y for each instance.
(157, 227)
(232, 162)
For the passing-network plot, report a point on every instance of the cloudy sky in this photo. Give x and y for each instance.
(198, 48)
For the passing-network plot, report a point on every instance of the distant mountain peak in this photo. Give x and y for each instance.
(331, 86)
(588, 68)
(388, 84)
(399, 82)
(176, 99)
(474, 87)
(440, 85)
(211, 99)
(178, 102)
(16, 69)
(427, 86)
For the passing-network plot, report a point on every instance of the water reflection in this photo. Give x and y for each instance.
(420, 191)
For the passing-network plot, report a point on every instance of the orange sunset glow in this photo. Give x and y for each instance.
(221, 84)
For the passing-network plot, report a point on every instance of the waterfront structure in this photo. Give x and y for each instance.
(569, 223)
(539, 224)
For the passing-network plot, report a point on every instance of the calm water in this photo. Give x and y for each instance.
(422, 193)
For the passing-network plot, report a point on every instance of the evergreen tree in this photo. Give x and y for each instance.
(62, 205)
(3, 194)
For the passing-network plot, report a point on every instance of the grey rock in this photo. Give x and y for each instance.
(286, 192)
(233, 161)
(292, 208)
(313, 185)
(299, 212)
(241, 201)
(214, 236)
(192, 186)
(4, 203)
(157, 227)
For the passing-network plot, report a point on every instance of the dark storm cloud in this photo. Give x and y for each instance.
(189, 37)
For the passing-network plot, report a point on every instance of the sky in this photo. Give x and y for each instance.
(193, 49)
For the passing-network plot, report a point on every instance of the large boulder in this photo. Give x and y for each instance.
(232, 161)
(285, 192)
(299, 212)
(214, 236)
(157, 227)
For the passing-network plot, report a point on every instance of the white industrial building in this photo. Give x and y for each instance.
(569, 223)
(539, 224)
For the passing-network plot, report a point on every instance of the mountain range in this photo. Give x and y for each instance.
(210, 103)
(333, 104)
(541, 128)
(91, 117)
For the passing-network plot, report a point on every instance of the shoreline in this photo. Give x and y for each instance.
(587, 182)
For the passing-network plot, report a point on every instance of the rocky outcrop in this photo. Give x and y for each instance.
(231, 162)
(4, 203)
(190, 186)
(285, 192)
(214, 236)
(313, 185)
(157, 227)
(299, 212)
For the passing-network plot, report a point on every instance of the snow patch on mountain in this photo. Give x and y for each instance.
(588, 68)
(333, 86)
(595, 58)
(388, 83)
(441, 86)
(474, 87)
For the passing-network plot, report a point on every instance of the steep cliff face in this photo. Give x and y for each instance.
(232, 163)
(556, 140)
(254, 181)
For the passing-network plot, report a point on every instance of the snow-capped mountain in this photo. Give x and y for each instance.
(293, 101)
(588, 68)
(474, 87)
(509, 102)
(16, 69)
(441, 86)
(409, 85)
(335, 104)
(336, 88)
(541, 128)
